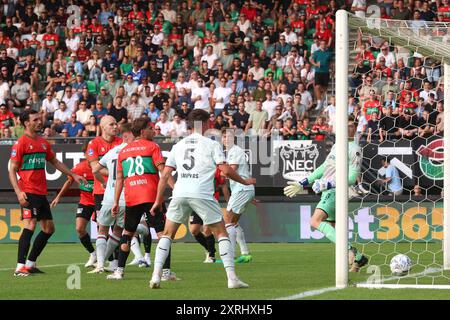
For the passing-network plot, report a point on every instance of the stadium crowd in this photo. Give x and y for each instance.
(260, 66)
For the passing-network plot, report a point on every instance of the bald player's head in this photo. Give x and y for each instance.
(109, 126)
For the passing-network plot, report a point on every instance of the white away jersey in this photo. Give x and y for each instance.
(195, 159)
(236, 155)
(109, 160)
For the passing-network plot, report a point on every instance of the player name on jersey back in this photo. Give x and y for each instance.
(139, 163)
(195, 158)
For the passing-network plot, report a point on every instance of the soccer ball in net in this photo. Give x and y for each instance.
(400, 265)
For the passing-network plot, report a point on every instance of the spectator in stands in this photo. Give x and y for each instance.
(257, 120)
(178, 127)
(373, 128)
(321, 62)
(320, 129)
(84, 114)
(62, 116)
(389, 178)
(74, 128)
(6, 116)
(91, 127)
(163, 124)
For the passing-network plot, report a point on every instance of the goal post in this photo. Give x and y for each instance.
(342, 44)
(422, 41)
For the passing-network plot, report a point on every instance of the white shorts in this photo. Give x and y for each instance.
(240, 200)
(181, 208)
(105, 217)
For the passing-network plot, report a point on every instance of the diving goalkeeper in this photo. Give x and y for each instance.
(323, 181)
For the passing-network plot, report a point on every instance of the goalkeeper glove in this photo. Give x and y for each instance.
(321, 185)
(294, 188)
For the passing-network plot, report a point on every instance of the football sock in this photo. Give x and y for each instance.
(226, 254)
(101, 250)
(162, 251)
(39, 244)
(211, 244)
(24, 245)
(328, 231)
(231, 229)
(86, 242)
(123, 255)
(147, 241)
(167, 262)
(200, 237)
(112, 245)
(116, 253)
(240, 238)
(135, 248)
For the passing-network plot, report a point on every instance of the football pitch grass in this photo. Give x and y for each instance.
(289, 270)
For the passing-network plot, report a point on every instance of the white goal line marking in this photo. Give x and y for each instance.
(316, 292)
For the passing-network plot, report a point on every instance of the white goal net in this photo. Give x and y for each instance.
(392, 77)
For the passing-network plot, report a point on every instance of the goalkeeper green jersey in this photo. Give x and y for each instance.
(327, 169)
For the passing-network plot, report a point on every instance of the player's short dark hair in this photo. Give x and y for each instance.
(138, 125)
(125, 127)
(197, 115)
(84, 146)
(25, 116)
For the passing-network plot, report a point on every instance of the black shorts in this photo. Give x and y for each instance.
(134, 214)
(85, 212)
(38, 208)
(322, 79)
(195, 219)
(98, 198)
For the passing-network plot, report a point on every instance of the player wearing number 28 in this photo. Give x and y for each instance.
(137, 172)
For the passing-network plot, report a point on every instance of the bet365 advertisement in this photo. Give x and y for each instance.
(280, 222)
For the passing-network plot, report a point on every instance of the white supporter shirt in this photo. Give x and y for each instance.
(360, 4)
(269, 106)
(236, 156)
(109, 161)
(64, 116)
(50, 106)
(202, 92)
(178, 129)
(164, 126)
(195, 159)
(71, 102)
(210, 59)
(221, 93)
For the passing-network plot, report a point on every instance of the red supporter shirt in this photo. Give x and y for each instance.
(96, 29)
(135, 17)
(166, 85)
(83, 54)
(139, 162)
(325, 35)
(321, 128)
(50, 40)
(86, 196)
(297, 25)
(96, 149)
(32, 154)
(414, 94)
(371, 107)
(250, 13)
(4, 119)
(411, 106)
(445, 10)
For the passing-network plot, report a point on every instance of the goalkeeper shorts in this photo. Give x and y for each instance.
(328, 204)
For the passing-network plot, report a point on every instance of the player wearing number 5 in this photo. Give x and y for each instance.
(137, 172)
(195, 158)
(28, 158)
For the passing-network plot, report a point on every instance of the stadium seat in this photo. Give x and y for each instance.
(92, 87)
